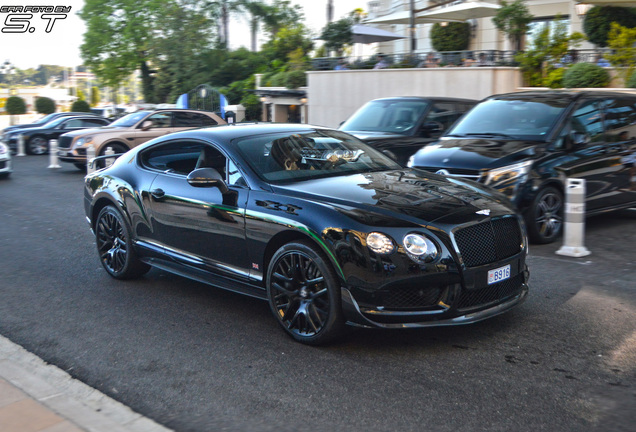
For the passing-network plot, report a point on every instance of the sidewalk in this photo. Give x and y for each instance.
(35, 396)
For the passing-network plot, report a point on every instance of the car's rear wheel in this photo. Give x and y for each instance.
(37, 145)
(304, 294)
(545, 216)
(114, 245)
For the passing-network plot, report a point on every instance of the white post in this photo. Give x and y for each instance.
(574, 227)
(109, 152)
(21, 145)
(53, 163)
(90, 155)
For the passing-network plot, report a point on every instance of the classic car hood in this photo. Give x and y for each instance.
(405, 194)
(473, 154)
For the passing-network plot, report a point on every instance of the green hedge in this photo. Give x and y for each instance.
(15, 105)
(585, 75)
(45, 105)
(80, 106)
(455, 36)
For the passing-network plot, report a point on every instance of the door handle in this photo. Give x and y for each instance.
(157, 193)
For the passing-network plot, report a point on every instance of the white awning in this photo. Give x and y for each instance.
(367, 34)
(402, 17)
(617, 3)
(462, 11)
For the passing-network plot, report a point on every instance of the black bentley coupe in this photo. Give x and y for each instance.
(325, 228)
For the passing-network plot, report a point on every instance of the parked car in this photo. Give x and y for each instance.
(130, 131)
(323, 226)
(527, 144)
(109, 112)
(41, 122)
(5, 161)
(400, 126)
(36, 139)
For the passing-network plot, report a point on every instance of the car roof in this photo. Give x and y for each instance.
(567, 94)
(427, 98)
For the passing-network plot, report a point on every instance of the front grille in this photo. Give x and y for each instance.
(489, 242)
(409, 297)
(64, 142)
(491, 293)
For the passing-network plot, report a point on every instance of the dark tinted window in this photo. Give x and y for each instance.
(588, 119)
(190, 119)
(620, 119)
(72, 124)
(96, 122)
(182, 157)
(160, 120)
(444, 113)
(395, 115)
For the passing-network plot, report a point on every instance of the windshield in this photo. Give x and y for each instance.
(286, 157)
(130, 120)
(527, 119)
(46, 119)
(395, 116)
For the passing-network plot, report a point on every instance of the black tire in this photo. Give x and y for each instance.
(114, 245)
(80, 166)
(4, 175)
(544, 218)
(37, 145)
(304, 294)
(117, 148)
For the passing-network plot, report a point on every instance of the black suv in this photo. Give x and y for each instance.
(399, 126)
(527, 144)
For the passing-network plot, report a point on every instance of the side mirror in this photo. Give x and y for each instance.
(578, 139)
(432, 129)
(146, 125)
(207, 177)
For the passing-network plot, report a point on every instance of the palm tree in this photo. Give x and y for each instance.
(329, 11)
(257, 11)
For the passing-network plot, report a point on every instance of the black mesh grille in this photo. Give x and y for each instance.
(64, 142)
(3, 164)
(412, 297)
(491, 293)
(489, 241)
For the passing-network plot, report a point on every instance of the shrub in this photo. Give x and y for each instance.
(45, 105)
(555, 78)
(15, 105)
(631, 82)
(585, 75)
(253, 107)
(80, 106)
(455, 36)
(295, 79)
(598, 20)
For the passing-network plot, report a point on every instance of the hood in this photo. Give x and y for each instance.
(408, 195)
(22, 126)
(375, 135)
(92, 131)
(474, 154)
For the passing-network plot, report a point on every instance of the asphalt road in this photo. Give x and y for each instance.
(196, 358)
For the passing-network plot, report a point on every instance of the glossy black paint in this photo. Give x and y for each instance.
(229, 239)
(402, 145)
(607, 164)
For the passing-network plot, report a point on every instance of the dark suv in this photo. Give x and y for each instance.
(399, 126)
(527, 144)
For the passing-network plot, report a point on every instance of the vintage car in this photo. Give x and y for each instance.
(528, 144)
(324, 227)
(400, 126)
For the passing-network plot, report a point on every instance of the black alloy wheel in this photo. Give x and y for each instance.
(545, 218)
(304, 294)
(38, 145)
(117, 149)
(114, 246)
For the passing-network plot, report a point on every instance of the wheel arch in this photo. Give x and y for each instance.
(99, 204)
(105, 145)
(288, 236)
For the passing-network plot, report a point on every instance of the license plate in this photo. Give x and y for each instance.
(499, 274)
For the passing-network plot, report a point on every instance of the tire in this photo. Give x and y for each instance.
(37, 145)
(80, 166)
(304, 294)
(117, 148)
(4, 175)
(545, 216)
(114, 245)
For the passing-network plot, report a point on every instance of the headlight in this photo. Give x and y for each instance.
(507, 173)
(83, 141)
(419, 247)
(410, 162)
(3, 148)
(380, 243)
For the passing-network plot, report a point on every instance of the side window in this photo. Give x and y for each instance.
(234, 176)
(160, 120)
(180, 157)
(94, 123)
(588, 119)
(444, 113)
(75, 123)
(192, 120)
(620, 119)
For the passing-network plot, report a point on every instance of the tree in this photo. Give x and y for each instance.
(257, 10)
(513, 19)
(95, 97)
(15, 105)
(598, 20)
(80, 106)
(287, 41)
(337, 35)
(45, 105)
(455, 36)
(622, 41)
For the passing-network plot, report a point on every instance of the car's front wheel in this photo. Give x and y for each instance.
(114, 245)
(304, 294)
(115, 147)
(545, 216)
(37, 145)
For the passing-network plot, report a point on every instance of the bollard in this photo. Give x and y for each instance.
(21, 145)
(90, 155)
(109, 152)
(574, 227)
(53, 163)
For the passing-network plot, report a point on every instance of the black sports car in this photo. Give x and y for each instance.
(327, 229)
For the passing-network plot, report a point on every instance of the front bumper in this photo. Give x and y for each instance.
(72, 156)
(5, 165)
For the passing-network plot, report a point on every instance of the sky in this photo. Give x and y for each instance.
(60, 46)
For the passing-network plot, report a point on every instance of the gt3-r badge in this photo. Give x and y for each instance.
(485, 212)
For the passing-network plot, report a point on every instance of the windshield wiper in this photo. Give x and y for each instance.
(489, 134)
